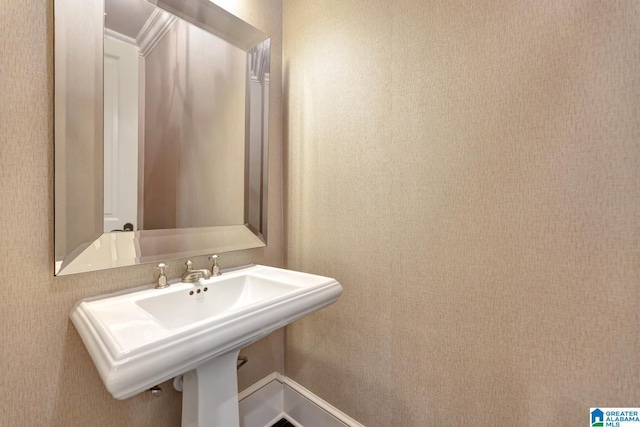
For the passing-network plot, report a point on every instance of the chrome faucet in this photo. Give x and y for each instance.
(193, 276)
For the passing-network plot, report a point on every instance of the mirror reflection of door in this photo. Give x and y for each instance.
(120, 134)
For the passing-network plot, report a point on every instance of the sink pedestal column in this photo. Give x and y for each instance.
(210, 393)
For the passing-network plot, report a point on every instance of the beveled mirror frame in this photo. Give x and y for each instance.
(80, 244)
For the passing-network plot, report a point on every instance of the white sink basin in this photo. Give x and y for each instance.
(179, 308)
(146, 336)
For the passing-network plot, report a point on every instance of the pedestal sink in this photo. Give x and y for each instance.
(140, 338)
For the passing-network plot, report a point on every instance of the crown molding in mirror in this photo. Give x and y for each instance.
(156, 27)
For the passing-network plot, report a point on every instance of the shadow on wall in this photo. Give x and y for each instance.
(82, 399)
(285, 156)
(447, 395)
(347, 399)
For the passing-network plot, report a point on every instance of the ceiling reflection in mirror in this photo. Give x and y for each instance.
(179, 168)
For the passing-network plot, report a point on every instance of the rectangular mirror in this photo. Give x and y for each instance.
(161, 124)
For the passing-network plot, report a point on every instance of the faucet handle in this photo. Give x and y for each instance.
(162, 278)
(189, 265)
(215, 268)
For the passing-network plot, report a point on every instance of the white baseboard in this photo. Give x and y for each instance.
(276, 396)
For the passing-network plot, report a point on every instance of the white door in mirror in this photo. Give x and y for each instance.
(120, 135)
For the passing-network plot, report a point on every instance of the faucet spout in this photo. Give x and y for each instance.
(193, 276)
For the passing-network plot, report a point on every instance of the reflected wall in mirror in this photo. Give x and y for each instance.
(174, 150)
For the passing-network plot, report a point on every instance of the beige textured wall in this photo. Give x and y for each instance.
(470, 172)
(47, 376)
